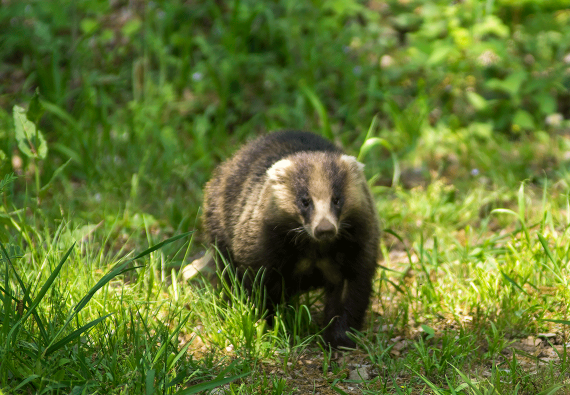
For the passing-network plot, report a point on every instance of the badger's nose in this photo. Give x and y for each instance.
(325, 230)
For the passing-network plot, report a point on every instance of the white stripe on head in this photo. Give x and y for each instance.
(277, 175)
(322, 211)
(278, 184)
(320, 189)
(279, 169)
(353, 162)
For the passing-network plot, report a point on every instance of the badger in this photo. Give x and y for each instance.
(292, 204)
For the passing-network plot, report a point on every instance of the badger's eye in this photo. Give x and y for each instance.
(336, 201)
(305, 202)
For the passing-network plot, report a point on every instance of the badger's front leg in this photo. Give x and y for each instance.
(345, 305)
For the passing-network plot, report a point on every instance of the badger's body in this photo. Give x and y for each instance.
(294, 204)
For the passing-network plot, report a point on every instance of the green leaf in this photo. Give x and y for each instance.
(131, 27)
(439, 55)
(523, 119)
(89, 25)
(477, 101)
(547, 103)
(510, 85)
(30, 140)
(35, 109)
(491, 25)
(429, 330)
(343, 8)
(407, 21)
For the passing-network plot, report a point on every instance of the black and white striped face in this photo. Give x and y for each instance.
(317, 188)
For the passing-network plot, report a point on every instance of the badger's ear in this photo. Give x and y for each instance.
(352, 162)
(279, 169)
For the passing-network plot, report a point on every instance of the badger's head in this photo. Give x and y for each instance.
(318, 190)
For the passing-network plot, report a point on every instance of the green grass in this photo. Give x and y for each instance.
(114, 114)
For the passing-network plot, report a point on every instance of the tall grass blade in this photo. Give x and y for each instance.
(546, 249)
(513, 282)
(41, 294)
(72, 336)
(564, 322)
(397, 170)
(123, 268)
(338, 390)
(180, 354)
(371, 127)
(8, 297)
(397, 236)
(210, 384)
(552, 390)
(161, 244)
(104, 280)
(370, 143)
(167, 342)
(522, 210)
(436, 390)
(56, 174)
(468, 381)
(319, 108)
(61, 114)
(149, 381)
(23, 383)
(505, 211)
(520, 217)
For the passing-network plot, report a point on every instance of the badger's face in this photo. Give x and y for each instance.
(317, 189)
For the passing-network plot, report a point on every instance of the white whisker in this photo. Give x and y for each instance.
(298, 234)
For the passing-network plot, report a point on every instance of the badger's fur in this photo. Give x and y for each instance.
(294, 204)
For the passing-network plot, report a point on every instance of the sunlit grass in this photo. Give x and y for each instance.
(456, 109)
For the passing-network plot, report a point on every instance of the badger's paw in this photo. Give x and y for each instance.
(337, 337)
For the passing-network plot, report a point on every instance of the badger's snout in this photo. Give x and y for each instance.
(325, 230)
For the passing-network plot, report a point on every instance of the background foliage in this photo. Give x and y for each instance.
(190, 81)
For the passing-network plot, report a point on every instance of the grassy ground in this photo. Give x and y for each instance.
(459, 111)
